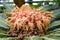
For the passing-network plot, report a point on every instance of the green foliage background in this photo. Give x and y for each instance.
(53, 30)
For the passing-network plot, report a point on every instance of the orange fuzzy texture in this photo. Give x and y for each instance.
(27, 21)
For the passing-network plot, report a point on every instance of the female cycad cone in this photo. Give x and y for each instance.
(27, 21)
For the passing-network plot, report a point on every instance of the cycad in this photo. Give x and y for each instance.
(53, 30)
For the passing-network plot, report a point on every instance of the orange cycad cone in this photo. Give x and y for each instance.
(27, 21)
